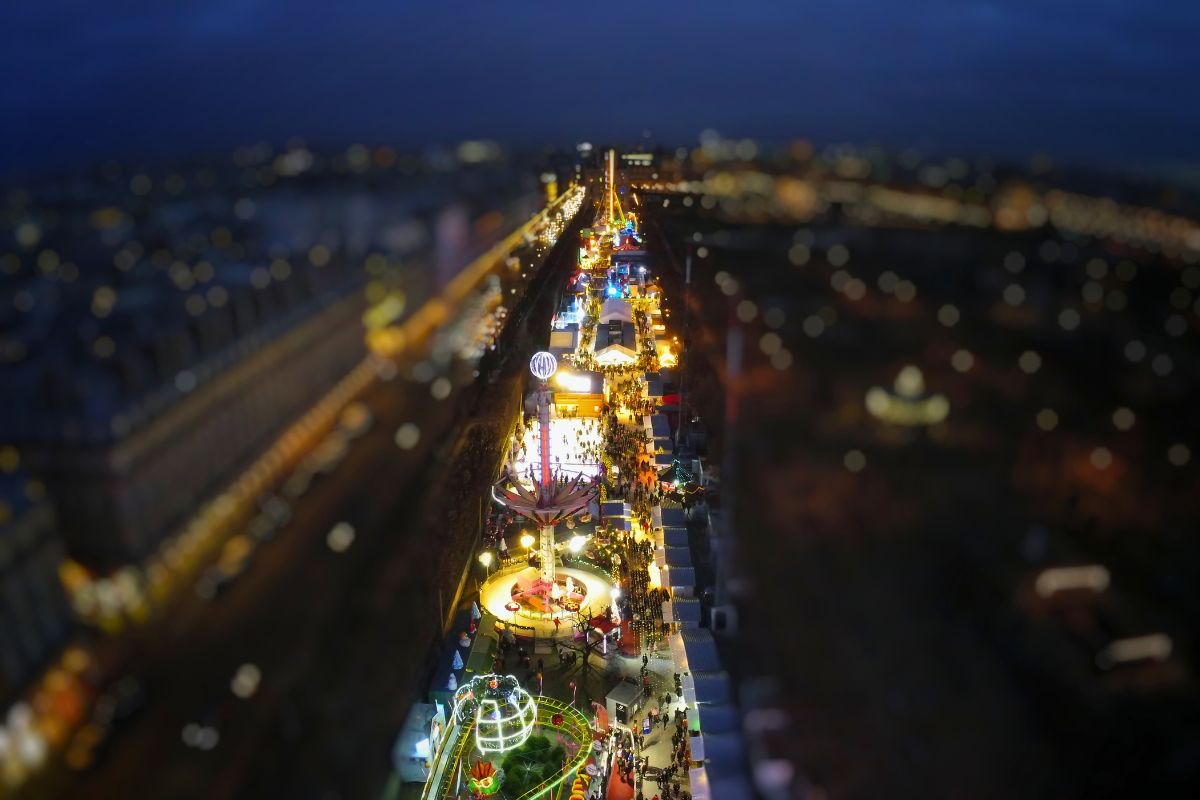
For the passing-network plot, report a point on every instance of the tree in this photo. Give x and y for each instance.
(583, 648)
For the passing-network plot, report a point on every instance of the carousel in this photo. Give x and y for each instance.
(543, 592)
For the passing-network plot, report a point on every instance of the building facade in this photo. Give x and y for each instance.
(34, 614)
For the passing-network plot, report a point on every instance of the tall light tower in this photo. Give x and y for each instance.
(612, 186)
(549, 502)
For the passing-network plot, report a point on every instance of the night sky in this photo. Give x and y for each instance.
(1102, 82)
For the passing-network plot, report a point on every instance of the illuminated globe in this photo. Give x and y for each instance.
(503, 713)
(542, 365)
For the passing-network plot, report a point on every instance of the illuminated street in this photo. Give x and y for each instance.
(538, 401)
(603, 593)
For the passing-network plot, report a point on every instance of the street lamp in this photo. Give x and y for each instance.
(527, 540)
(575, 545)
(485, 558)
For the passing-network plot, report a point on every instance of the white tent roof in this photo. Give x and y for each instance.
(615, 309)
(615, 354)
(678, 652)
(698, 781)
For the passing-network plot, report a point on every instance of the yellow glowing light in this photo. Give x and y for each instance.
(527, 540)
(573, 382)
(485, 558)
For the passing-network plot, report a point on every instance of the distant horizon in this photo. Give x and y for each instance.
(1185, 176)
(1106, 90)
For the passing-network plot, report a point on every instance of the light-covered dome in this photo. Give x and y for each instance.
(502, 712)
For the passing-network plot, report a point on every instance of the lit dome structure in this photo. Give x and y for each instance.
(502, 712)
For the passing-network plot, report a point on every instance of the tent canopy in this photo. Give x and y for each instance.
(682, 576)
(660, 426)
(675, 537)
(674, 517)
(678, 556)
(701, 650)
(687, 609)
(723, 718)
(616, 309)
(614, 508)
(725, 753)
(712, 687)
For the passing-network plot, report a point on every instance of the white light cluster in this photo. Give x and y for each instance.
(504, 714)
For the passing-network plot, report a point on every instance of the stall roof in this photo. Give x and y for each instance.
(614, 508)
(700, 649)
(723, 777)
(615, 355)
(682, 576)
(660, 426)
(616, 309)
(712, 687)
(698, 782)
(678, 556)
(725, 752)
(674, 536)
(625, 692)
(719, 718)
(729, 787)
(674, 517)
(687, 609)
(678, 652)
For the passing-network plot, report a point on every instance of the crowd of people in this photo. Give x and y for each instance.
(626, 472)
(631, 762)
(641, 603)
(681, 755)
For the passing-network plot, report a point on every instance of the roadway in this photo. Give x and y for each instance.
(340, 639)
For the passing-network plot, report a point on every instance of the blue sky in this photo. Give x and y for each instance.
(1102, 82)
